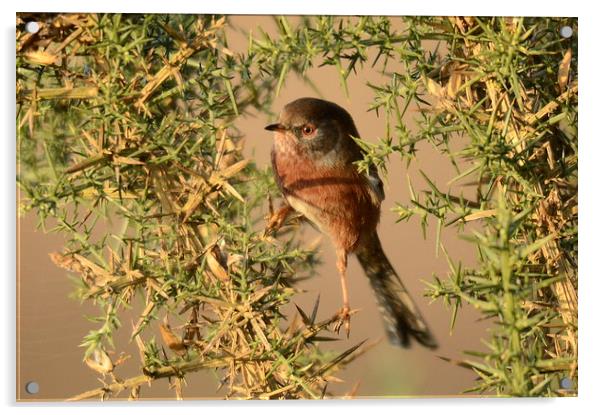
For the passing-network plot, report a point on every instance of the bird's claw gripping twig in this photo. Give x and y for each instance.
(276, 220)
(344, 319)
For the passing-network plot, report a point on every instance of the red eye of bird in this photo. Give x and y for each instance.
(308, 130)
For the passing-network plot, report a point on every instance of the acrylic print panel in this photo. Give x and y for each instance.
(164, 253)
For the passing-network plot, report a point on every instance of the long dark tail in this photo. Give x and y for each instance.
(401, 316)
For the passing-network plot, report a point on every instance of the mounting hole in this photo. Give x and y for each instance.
(566, 383)
(32, 27)
(32, 388)
(566, 31)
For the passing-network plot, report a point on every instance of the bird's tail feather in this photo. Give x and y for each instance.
(402, 318)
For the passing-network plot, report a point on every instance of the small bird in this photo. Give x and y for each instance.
(313, 161)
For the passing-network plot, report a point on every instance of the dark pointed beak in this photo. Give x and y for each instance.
(275, 127)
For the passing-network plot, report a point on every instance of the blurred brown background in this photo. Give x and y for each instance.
(51, 325)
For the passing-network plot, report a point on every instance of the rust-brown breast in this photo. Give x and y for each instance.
(337, 199)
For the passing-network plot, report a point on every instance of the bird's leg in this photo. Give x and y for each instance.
(345, 312)
(276, 219)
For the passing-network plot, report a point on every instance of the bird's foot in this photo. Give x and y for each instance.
(276, 220)
(343, 319)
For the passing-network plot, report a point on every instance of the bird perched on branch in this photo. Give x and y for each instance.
(313, 160)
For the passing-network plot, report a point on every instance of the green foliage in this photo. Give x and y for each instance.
(126, 147)
(129, 119)
(506, 89)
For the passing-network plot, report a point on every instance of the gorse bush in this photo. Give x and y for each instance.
(128, 120)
